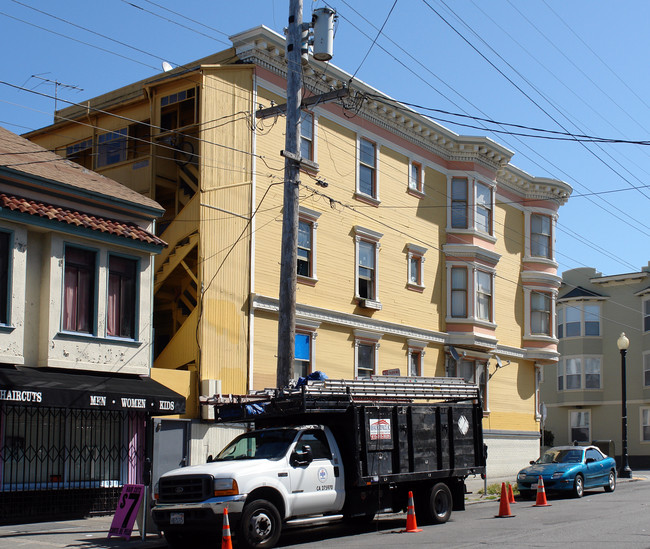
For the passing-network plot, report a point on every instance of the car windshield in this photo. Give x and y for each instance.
(555, 455)
(269, 444)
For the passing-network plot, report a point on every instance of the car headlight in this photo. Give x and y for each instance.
(225, 487)
(521, 476)
(557, 474)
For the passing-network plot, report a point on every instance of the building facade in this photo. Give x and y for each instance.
(76, 274)
(420, 251)
(583, 391)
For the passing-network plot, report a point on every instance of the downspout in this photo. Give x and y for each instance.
(251, 311)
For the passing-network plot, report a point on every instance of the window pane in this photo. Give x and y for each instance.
(560, 375)
(483, 195)
(414, 179)
(592, 320)
(573, 373)
(365, 360)
(482, 219)
(414, 270)
(367, 254)
(366, 180)
(592, 373)
(367, 152)
(414, 363)
(467, 370)
(580, 426)
(459, 279)
(307, 125)
(121, 297)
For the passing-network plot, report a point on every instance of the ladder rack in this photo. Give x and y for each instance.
(336, 395)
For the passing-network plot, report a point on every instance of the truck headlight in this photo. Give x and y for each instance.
(225, 487)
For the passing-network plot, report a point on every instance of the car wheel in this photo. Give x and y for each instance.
(260, 525)
(611, 482)
(579, 486)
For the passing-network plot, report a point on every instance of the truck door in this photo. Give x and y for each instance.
(316, 487)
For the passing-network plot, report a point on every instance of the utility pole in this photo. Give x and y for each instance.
(287, 296)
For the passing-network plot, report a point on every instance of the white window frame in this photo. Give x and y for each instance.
(312, 140)
(369, 198)
(582, 362)
(416, 186)
(471, 205)
(528, 255)
(362, 234)
(580, 306)
(552, 293)
(415, 256)
(642, 425)
(417, 348)
(371, 339)
(645, 313)
(310, 217)
(548, 236)
(472, 295)
(646, 370)
(570, 422)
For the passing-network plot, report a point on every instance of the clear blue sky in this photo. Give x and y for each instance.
(570, 67)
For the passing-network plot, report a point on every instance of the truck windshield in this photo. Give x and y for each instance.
(270, 444)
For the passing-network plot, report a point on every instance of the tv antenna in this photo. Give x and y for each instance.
(57, 85)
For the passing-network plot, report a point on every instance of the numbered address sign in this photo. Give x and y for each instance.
(127, 510)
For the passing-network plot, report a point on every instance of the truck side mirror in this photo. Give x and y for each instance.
(302, 457)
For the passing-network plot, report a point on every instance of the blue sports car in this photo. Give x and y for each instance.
(569, 468)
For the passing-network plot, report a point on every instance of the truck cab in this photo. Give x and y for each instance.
(273, 474)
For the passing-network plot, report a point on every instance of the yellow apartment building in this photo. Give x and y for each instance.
(420, 251)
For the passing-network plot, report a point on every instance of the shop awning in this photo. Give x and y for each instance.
(25, 386)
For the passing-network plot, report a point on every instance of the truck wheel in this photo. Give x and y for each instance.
(260, 525)
(440, 503)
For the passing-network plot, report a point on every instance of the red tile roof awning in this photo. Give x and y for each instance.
(80, 219)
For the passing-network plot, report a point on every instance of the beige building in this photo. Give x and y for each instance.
(76, 279)
(420, 251)
(582, 392)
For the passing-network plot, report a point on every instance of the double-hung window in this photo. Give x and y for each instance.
(302, 355)
(367, 251)
(540, 236)
(366, 345)
(122, 276)
(79, 290)
(307, 135)
(646, 315)
(474, 371)
(580, 425)
(416, 178)
(484, 296)
(646, 370)
(368, 168)
(645, 424)
(540, 313)
(459, 203)
(5, 267)
(415, 257)
(483, 221)
(459, 292)
(304, 248)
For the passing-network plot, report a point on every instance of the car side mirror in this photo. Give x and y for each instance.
(590, 460)
(532, 462)
(302, 457)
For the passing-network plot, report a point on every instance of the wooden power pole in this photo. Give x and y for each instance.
(287, 297)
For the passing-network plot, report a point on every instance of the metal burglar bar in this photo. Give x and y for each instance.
(66, 461)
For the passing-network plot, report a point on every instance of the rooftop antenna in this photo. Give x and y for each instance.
(57, 84)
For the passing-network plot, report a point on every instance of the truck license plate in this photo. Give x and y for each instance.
(176, 518)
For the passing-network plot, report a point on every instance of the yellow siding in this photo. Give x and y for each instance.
(184, 383)
(226, 170)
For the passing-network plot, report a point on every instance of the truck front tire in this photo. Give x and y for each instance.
(260, 525)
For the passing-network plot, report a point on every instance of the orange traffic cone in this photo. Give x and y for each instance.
(511, 495)
(541, 494)
(504, 504)
(411, 523)
(226, 541)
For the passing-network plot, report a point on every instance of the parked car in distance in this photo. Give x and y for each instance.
(569, 469)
